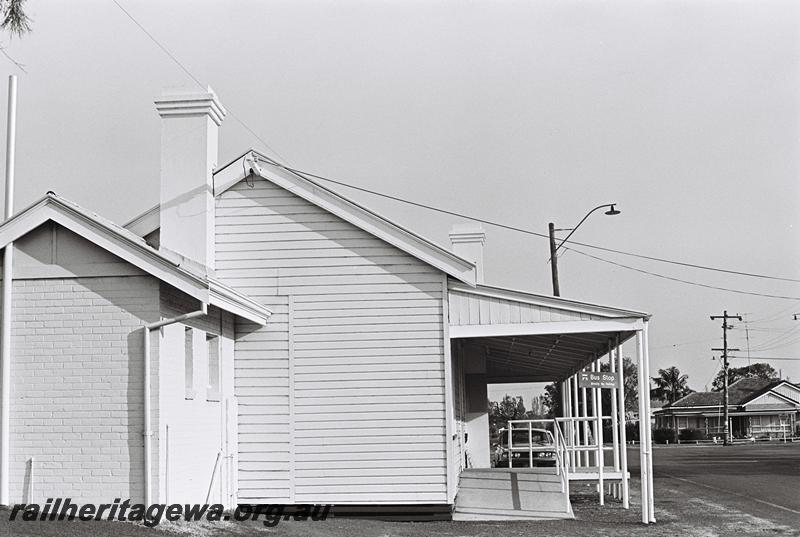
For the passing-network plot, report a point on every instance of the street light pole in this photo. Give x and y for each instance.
(554, 248)
(553, 258)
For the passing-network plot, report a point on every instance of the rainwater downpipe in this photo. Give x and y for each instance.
(5, 329)
(148, 433)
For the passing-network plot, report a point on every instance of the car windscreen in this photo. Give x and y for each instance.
(520, 438)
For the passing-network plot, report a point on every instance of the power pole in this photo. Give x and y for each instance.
(554, 258)
(725, 327)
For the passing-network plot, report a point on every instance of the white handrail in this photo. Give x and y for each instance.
(562, 469)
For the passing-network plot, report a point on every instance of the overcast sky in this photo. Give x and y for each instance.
(683, 113)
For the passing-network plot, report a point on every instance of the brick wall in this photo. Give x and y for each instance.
(197, 425)
(76, 387)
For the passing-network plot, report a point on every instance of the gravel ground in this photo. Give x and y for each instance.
(676, 514)
(682, 509)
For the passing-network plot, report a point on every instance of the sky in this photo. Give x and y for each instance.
(684, 113)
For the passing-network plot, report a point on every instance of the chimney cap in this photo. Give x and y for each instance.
(183, 102)
(465, 233)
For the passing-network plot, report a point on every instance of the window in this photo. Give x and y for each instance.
(214, 373)
(188, 353)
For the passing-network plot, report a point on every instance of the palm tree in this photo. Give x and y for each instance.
(13, 18)
(671, 385)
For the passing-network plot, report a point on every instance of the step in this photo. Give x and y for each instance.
(499, 487)
(540, 501)
(510, 494)
(533, 475)
(483, 514)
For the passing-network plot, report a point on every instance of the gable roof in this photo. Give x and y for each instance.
(771, 398)
(167, 267)
(740, 392)
(331, 201)
(696, 399)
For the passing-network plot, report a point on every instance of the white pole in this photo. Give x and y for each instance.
(646, 352)
(645, 481)
(166, 465)
(8, 278)
(614, 419)
(585, 414)
(568, 435)
(597, 408)
(30, 483)
(576, 412)
(623, 440)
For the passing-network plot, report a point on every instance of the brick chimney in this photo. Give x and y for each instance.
(190, 123)
(467, 241)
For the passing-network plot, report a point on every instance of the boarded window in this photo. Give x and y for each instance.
(214, 371)
(188, 355)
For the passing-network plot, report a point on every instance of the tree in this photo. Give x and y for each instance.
(552, 392)
(630, 383)
(671, 385)
(510, 408)
(15, 21)
(761, 370)
(552, 400)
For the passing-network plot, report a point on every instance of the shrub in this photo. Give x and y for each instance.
(632, 431)
(664, 435)
(692, 434)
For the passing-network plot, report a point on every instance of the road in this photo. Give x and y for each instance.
(759, 480)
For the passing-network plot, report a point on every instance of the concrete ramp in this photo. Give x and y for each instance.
(516, 494)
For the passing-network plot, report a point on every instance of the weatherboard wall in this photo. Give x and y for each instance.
(467, 308)
(341, 396)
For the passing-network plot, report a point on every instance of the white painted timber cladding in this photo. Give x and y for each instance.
(261, 385)
(790, 391)
(467, 309)
(368, 420)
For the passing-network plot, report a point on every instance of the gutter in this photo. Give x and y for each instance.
(148, 432)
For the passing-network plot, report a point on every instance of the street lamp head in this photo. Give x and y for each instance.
(612, 211)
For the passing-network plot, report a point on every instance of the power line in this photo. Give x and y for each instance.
(671, 278)
(783, 336)
(306, 175)
(453, 213)
(695, 342)
(19, 65)
(194, 78)
(775, 316)
(764, 358)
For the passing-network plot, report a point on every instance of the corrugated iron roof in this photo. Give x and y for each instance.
(739, 393)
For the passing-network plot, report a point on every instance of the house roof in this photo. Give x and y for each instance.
(253, 162)
(739, 393)
(168, 267)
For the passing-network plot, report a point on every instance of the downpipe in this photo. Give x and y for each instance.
(148, 433)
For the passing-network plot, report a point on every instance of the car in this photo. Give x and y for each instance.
(542, 449)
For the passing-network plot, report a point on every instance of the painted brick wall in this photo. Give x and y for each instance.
(76, 396)
(197, 425)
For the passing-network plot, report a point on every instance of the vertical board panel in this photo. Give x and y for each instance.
(261, 384)
(367, 370)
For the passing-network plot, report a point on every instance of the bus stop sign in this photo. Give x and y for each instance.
(600, 379)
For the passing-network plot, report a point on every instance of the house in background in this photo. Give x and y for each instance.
(261, 338)
(756, 408)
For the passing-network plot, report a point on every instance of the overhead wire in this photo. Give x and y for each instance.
(186, 70)
(306, 174)
(687, 282)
